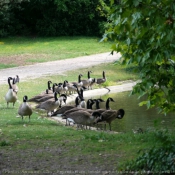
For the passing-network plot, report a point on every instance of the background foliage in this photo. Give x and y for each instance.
(143, 32)
(52, 17)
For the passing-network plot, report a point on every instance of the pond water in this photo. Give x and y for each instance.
(136, 116)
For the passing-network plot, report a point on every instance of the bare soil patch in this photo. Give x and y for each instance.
(22, 59)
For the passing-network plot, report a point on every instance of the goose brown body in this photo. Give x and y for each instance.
(25, 108)
(109, 115)
(101, 80)
(11, 96)
(50, 105)
(80, 117)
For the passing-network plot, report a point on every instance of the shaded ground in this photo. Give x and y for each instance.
(55, 160)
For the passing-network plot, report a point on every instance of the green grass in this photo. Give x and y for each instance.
(34, 50)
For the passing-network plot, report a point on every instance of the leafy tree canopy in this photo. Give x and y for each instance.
(143, 32)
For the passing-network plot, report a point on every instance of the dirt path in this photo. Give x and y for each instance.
(56, 67)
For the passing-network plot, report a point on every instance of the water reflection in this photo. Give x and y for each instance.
(135, 116)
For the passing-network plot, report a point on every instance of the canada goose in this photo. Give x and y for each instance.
(59, 88)
(50, 89)
(101, 80)
(62, 98)
(100, 110)
(14, 86)
(45, 98)
(92, 83)
(43, 95)
(17, 79)
(71, 88)
(80, 118)
(66, 108)
(90, 103)
(79, 83)
(10, 96)
(87, 82)
(50, 105)
(98, 102)
(36, 97)
(25, 108)
(109, 115)
(65, 88)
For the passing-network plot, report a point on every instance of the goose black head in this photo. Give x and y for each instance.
(121, 113)
(17, 79)
(111, 99)
(25, 98)
(100, 100)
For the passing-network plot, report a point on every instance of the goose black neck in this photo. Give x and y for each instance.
(104, 74)
(97, 104)
(53, 88)
(79, 78)
(107, 104)
(55, 96)
(81, 92)
(48, 83)
(89, 74)
(76, 101)
(88, 104)
(64, 84)
(10, 86)
(14, 81)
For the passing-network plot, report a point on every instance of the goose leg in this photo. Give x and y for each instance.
(110, 126)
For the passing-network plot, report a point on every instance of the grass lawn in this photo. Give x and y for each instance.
(16, 51)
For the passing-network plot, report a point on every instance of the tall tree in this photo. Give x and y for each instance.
(143, 32)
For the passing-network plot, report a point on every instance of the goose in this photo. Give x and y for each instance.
(50, 105)
(38, 97)
(65, 88)
(90, 103)
(17, 79)
(59, 88)
(78, 108)
(100, 110)
(71, 88)
(62, 98)
(92, 83)
(97, 104)
(14, 86)
(79, 83)
(87, 82)
(10, 96)
(80, 118)
(66, 108)
(108, 116)
(25, 108)
(45, 98)
(101, 80)
(50, 89)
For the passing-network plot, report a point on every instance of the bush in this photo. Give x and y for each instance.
(160, 160)
(54, 18)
